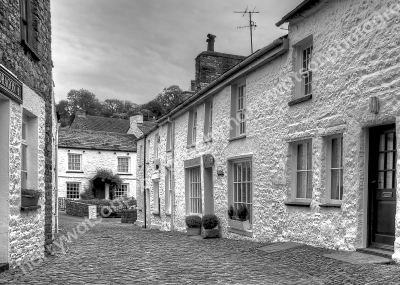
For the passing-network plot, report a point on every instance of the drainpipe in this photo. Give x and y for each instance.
(173, 179)
(56, 177)
(144, 180)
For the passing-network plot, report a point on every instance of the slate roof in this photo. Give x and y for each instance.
(147, 126)
(87, 139)
(101, 124)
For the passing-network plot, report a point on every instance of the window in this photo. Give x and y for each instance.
(241, 127)
(141, 155)
(156, 199)
(242, 187)
(156, 142)
(73, 190)
(192, 128)
(208, 120)
(122, 191)
(169, 136)
(123, 164)
(195, 204)
(168, 190)
(26, 21)
(24, 156)
(302, 166)
(238, 110)
(148, 152)
(303, 75)
(335, 167)
(306, 72)
(74, 162)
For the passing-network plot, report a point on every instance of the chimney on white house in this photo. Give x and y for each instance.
(134, 121)
(80, 113)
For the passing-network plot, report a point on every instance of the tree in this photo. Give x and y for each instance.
(170, 98)
(152, 109)
(85, 100)
(62, 109)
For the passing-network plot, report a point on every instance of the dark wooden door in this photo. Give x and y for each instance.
(382, 182)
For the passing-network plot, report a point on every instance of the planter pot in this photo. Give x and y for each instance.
(239, 225)
(27, 201)
(193, 231)
(212, 233)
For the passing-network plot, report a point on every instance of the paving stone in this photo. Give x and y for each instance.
(280, 246)
(136, 256)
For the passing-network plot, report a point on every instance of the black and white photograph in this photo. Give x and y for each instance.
(199, 142)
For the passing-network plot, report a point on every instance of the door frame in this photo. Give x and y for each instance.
(367, 197)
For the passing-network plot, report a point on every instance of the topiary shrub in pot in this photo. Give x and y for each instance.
(210, 224)
(30, 197)
(193, 225)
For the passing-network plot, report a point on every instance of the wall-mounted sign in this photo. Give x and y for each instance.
(220, 171)
(192, 162)
(10, 86)
(208, 161)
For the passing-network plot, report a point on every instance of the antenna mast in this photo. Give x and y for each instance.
(251, 24)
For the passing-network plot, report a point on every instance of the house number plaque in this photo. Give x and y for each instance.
(387, 194)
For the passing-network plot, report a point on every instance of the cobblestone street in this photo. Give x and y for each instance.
(114, 253)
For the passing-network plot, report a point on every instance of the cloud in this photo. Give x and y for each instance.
(132, 49)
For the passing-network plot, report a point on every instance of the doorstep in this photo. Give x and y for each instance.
(4, 267)
(354, 257)
(376, 251)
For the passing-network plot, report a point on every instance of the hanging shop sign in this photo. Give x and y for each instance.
(10, 86)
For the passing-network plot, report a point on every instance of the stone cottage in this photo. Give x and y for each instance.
(27, 125)
(302, 133)
(93, 142)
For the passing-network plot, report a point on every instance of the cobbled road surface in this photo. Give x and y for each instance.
(115, 253)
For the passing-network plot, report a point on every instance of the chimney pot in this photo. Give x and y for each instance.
(210, 41)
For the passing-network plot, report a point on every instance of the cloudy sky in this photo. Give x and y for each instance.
(133, 49)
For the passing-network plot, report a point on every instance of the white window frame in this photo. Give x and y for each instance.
(156, 143)
(329, 169)
(168, 190)
(300, 72)
(296, 171)
(306, 73)
(195, 192)
(122, 193)
(75, 194)
(128, 159)
(241, 110)
(80, 161)
(169, 137)
(235, 181)
(156, 198)
(24, 155)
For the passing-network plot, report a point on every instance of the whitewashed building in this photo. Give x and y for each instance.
(93, 143)
(303, 132)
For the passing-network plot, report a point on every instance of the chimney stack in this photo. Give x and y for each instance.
(192, 85)
(210, 41)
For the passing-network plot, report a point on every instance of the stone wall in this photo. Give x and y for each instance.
(340, 105)
(34, 68)
(91, 161)
(77, 209)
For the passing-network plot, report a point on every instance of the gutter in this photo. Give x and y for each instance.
(144, 181)
(300, 8)
(281, 41)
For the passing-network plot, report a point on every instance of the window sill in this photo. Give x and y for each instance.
(168, 214)
(30, 49)
(300, 100)
(30, 208)
(298, 204)
(124, 173)
(191, 145)
(156, 214)
(330, 205)
(73, 171)
(207, 140)
(240, 232)
(237, 138)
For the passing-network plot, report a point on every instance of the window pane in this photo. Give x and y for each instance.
(335, 184)
(390, 140)
(301, 155)
(301, 184)
(335, 153)
(381, 163)
(249, 192)
(23, 157)
(389, 160)
(309, 156)
(389, 180)
(239, 192)
(382, 143)
(309, 185)
(381, 179)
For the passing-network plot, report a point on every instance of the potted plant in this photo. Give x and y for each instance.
(239, 219)
(30, 197)
(193, 225)
(210, 223)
